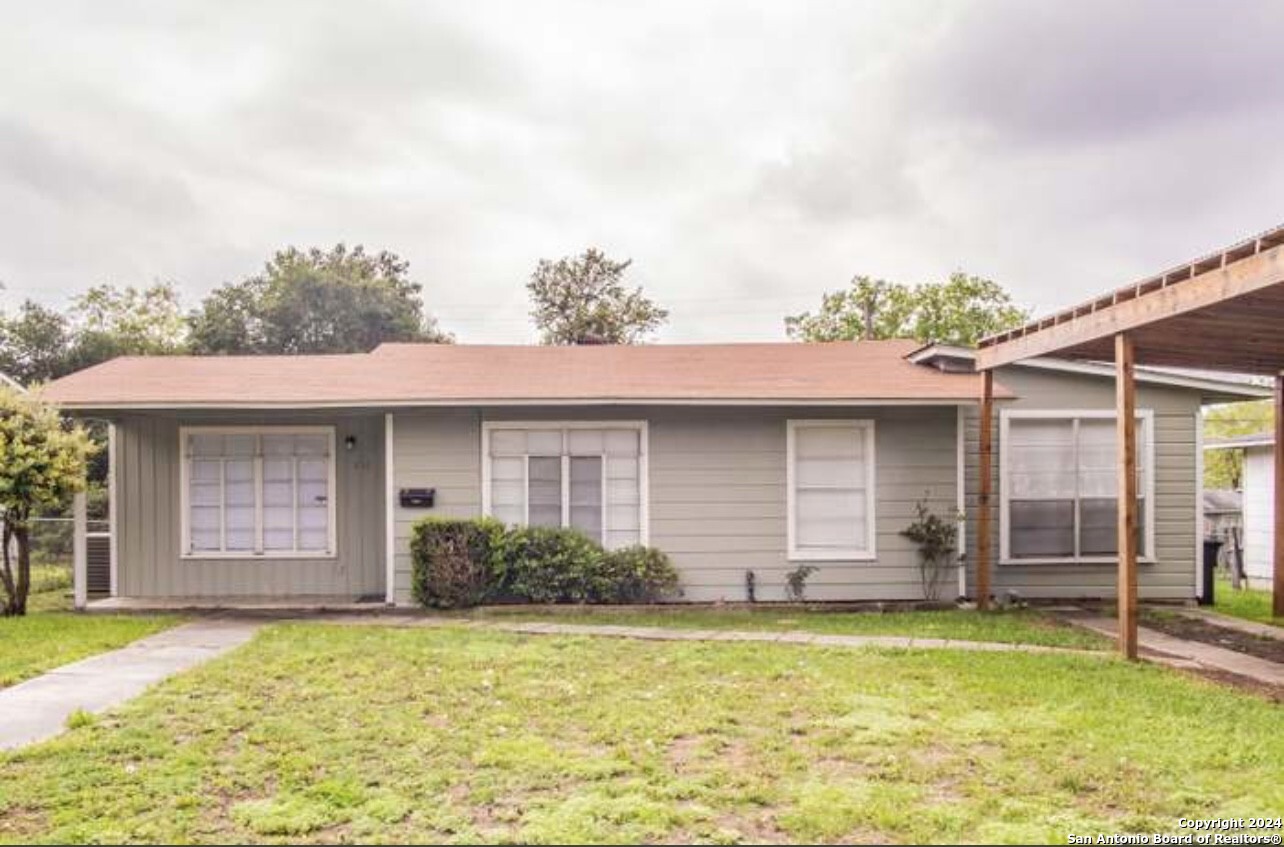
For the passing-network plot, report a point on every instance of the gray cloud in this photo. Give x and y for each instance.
(747, 158)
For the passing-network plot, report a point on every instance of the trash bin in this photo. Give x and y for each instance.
(1212, 546)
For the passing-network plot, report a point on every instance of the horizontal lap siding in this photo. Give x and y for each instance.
(717, 490)
(149, 519)
(1172, 574)
(718, 499)
(438, 449)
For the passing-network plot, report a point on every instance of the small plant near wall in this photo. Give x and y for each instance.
(796, 583)
(937, 539)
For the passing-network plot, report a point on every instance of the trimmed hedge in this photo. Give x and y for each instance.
(638, 574)
(553, 565)
(460, 563)
(456, 562)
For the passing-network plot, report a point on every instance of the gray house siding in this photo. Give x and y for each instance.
(1172, 575)
(149, 519)
(717, 484)
(717, 496)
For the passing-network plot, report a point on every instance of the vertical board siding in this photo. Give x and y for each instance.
(150, 521)
(1171, 575)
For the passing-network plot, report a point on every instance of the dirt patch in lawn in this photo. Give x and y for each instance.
(1273, 693)
(1196, 629)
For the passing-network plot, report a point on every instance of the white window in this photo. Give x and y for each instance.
(587, 475)
(258, 491)
(830, 489)
(1058, 486)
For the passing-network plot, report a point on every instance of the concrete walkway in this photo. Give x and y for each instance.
(1183, 653)
(656, 633)
(1262, 630)
(38, 708)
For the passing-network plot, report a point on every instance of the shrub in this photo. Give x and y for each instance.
(553, 565)
(456, 563)
(796, 583)
(937, 540)
(636, 574)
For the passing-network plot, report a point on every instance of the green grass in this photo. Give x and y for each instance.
(1010, 627)
(50, 635)
(363, 733)
(1249, 604)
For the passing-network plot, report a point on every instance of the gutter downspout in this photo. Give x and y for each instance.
(960, 487)
(389, 513)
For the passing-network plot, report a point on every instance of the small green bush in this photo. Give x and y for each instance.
(637, 574)
(553, 565)
(456, 563)
(462, 563)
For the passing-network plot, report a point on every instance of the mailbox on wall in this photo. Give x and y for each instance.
(418, 498)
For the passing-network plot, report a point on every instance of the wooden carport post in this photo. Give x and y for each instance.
(1126, 447)
(1277, 602)
(985, 468)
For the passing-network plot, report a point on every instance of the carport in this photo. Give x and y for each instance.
(1222, 312)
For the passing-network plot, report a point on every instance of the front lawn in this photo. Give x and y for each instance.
(50, 635)
(1022, 626)
(334, 733)
(1247, 603)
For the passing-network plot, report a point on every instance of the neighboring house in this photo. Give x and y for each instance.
(1223, 511)
(1224, 521)
(250, 477)
(1259, 503)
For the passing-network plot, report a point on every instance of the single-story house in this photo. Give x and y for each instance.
(1223, 509)
(1224, 520)
(1258, 503)
(300, 477)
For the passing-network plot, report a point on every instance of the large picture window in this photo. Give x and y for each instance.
(1058, 487)
(589, 476)
(831, 489)
(258, 491)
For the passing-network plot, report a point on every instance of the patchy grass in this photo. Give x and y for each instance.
(46, 578)
(1248, 603)
(50, 635)
(362, 733)
(1022, 626)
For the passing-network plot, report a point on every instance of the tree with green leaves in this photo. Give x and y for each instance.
(38, 343)
(35, 343)
(1225, 468)
(134, 321)
(339, 300)
(583, 300)
(960, 311)
(43, 463)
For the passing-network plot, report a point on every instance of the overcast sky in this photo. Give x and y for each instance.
(747, 159)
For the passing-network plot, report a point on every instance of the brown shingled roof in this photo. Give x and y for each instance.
(430, 374)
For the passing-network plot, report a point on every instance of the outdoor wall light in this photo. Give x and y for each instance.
(350, 442)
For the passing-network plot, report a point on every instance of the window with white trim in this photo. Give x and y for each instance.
(587, 476)
(830, 489)
(1059, 489)
(258, 491)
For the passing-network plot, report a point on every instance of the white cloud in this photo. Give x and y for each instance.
(746, 158)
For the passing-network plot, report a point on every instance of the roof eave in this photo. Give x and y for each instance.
(519, 402)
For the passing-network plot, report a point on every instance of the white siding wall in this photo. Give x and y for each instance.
(1259, 520)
